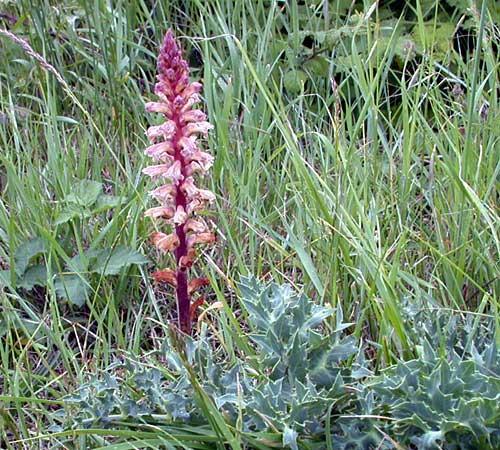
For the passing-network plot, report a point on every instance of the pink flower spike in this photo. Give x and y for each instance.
(180, 215)
(170, 171)
(188, 187)
(160, 152)
(192, 89)
(158, 107)
(195, 225)
(192, 100)
(165, 130)
(206, 195)
(160, 212)
(174, 172)
(156, 171)
(165, 242)
(197, 127)
(194, 115)
(200, 238)
(175, 146)
(205, 160)
(163, 90)
(188, 145)
(192, 192)
(194, 205)
(182, 83)
(197, 204)
(195, 167)
(165, 193)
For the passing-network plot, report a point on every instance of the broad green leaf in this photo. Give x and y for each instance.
(435, 39)
(73, 288)
(4, 278)
(80, 263)
(70, 212)
(317, 316)
(321, 372)
(105, 202)
(294, 80)
(324, 362)
(317, 65)
(340, 6)
(34, 276)
(405, 48)
(84, 193)
(26, 251)
(111, 262)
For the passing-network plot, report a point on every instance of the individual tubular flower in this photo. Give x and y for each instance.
(178, 158)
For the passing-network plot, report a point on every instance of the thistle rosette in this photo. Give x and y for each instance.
(176, 149)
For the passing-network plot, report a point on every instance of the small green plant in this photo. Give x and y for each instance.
(85, 200)
(31, 268)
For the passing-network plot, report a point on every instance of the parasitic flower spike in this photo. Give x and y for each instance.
(178, 161)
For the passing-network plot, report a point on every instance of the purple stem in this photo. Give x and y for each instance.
(183, 300)
(182, 293)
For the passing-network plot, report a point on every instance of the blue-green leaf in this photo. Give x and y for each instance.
(290, 438)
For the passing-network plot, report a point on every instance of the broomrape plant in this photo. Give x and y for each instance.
(176, 149)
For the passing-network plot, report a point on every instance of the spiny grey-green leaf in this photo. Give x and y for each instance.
(290, 438)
